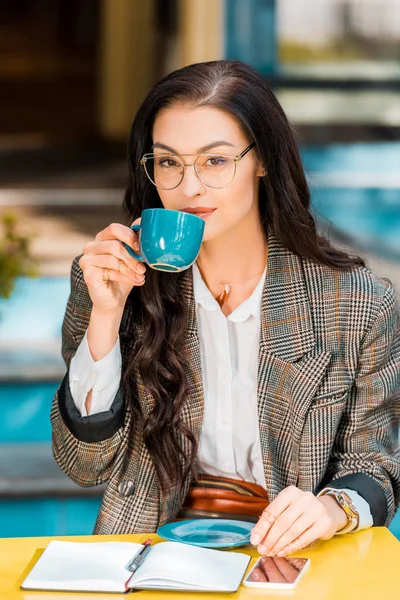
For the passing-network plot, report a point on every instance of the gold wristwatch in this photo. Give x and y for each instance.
(346, 503)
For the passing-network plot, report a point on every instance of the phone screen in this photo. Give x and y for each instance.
(278, 570)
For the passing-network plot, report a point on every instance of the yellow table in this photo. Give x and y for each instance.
(359, 566)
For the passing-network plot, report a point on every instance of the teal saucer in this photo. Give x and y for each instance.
(209, 533)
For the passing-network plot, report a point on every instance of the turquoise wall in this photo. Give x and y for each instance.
(250, 33)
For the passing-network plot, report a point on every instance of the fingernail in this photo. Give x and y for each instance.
(262, 549)
(281, 553)
(140, 269)
(255, 538)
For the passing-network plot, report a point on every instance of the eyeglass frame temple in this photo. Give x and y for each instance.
(245, 151)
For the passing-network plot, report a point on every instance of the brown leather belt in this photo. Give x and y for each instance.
(222, 497)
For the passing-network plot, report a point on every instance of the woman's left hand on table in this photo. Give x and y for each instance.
(294, 520)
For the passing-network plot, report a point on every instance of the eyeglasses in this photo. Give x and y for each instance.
(166, 171)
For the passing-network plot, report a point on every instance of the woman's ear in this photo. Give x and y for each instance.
(261, 171)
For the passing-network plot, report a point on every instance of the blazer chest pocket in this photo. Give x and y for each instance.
(336, 398)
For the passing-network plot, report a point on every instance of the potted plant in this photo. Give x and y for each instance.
(15, 259)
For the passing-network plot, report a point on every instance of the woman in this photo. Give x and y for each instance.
(274, 360)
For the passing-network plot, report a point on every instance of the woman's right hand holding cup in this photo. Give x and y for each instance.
(110, 272)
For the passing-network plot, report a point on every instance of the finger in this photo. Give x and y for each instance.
(96, 275)
(271, 571)
(117, 231)
(285, 522)
(312, 516)
(288, 571)
(297, 563)
(136, 245)
(305, 539)
(257, 575)
(114, 248)
(292, 534)
(290, 529)
(110, 262)
(266, 520)
(270, 514)
(117, 277)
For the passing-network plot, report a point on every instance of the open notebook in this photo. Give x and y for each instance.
(101, 567)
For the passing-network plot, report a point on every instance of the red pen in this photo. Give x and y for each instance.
(138, 559)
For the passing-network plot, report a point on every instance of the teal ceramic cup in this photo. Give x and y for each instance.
(169, 240)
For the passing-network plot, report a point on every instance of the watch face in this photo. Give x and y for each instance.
(353, 517)
(346, 500)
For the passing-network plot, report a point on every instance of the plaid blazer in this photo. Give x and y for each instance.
(328, 396)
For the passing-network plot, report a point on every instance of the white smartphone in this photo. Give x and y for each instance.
(282, 573)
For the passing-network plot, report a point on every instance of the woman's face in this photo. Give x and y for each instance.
(190, 131)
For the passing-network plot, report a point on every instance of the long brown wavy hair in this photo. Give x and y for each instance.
(284, 203)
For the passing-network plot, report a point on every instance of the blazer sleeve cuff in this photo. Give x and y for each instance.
(368, 489)
(95, 428)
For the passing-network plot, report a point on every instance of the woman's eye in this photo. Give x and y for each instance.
(168, 162)
(216, 161)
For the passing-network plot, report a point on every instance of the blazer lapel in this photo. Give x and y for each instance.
(287, 379)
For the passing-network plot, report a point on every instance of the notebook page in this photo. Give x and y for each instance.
(180, 566)
(92, 566)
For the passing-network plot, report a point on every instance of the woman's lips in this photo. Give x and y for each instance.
(200, 211)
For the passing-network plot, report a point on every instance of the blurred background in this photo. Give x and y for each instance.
(72, 74)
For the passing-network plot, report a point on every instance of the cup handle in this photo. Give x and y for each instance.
(130, 250)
